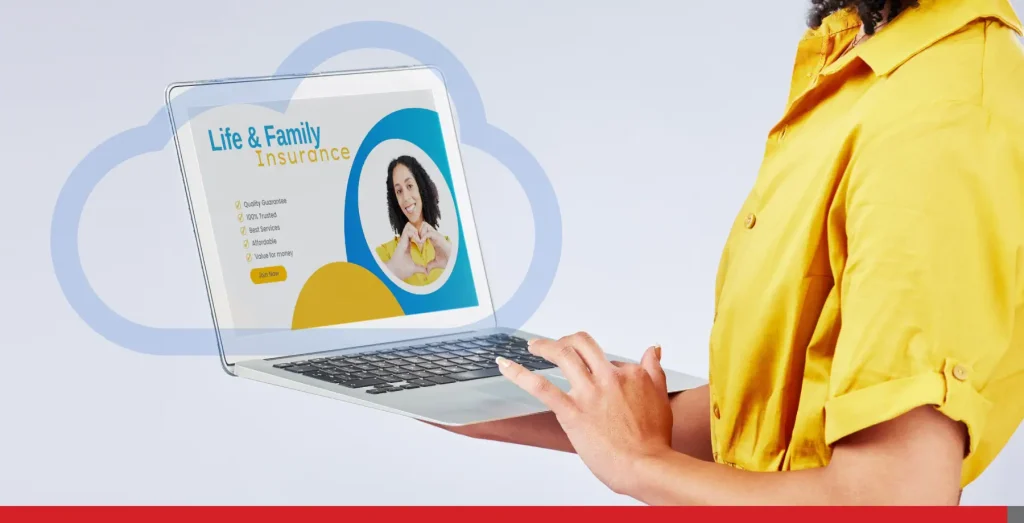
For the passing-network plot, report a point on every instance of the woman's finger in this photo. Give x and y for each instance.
(536, 385)
(588, 349)
(568, 360)
(651, 362)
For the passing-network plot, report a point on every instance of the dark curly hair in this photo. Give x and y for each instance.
(871, 12)
(428, 194)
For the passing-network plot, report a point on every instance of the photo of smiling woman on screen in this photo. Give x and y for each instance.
(419, 254)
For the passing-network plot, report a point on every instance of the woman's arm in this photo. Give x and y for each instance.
(621, 425)
(691, 430)
(914, 459)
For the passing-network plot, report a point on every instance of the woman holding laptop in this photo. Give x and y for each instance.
(868, 341)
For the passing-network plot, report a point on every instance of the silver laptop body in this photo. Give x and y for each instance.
(450, 379)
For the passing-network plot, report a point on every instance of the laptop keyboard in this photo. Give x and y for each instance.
(424, 365)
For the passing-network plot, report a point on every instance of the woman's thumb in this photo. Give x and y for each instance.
(651, 362)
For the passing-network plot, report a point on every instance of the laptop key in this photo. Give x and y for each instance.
(423, 383)
(440, 380)
(423, 374)
(375, 391)
(438, 372)
(410, 386)
(358, 384)
(407, 377)
(301, 368)
(538, 366)
(475, 374)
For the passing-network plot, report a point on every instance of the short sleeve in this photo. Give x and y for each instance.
(931, 213)
(385, 250)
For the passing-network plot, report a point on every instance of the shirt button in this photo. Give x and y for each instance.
(960, 373)
(716, 412)
(750, 221)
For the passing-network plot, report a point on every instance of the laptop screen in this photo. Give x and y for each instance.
(329, 205)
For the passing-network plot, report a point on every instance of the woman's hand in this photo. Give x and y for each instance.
(401, 263)
(442, 247)
(615, 415)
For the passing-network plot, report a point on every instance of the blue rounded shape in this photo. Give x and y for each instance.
(422, 128)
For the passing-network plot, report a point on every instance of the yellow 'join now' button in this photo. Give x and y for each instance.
(268, 274)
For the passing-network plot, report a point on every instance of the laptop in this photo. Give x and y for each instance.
(338, 245)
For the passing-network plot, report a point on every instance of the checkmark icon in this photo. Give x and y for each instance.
(238, 204)
(241, 217)
(248, 257)
(242, 230)
(245, 244)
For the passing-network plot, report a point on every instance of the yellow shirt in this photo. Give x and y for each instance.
(419, 257)
(878, 262)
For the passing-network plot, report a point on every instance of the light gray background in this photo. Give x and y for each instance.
(649, 117)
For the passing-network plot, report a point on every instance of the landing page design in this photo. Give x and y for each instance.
(337, 210)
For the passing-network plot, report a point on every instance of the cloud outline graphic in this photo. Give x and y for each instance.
(153, 136)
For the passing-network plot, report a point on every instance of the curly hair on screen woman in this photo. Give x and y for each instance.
(426, 194)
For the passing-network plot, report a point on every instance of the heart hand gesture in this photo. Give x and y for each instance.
(442, 247)
(401, 263)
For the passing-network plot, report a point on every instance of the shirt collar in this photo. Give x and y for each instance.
(920, 27)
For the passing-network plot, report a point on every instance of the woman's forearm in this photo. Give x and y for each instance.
(536, 430)
(691, 423)
(678, 479)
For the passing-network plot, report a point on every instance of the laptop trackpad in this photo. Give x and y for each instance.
(511, 392)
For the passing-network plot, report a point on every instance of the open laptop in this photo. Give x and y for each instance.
(338, 246)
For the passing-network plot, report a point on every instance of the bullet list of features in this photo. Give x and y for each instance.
(259, 229)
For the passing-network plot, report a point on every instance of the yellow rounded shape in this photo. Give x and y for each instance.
(340, 293)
